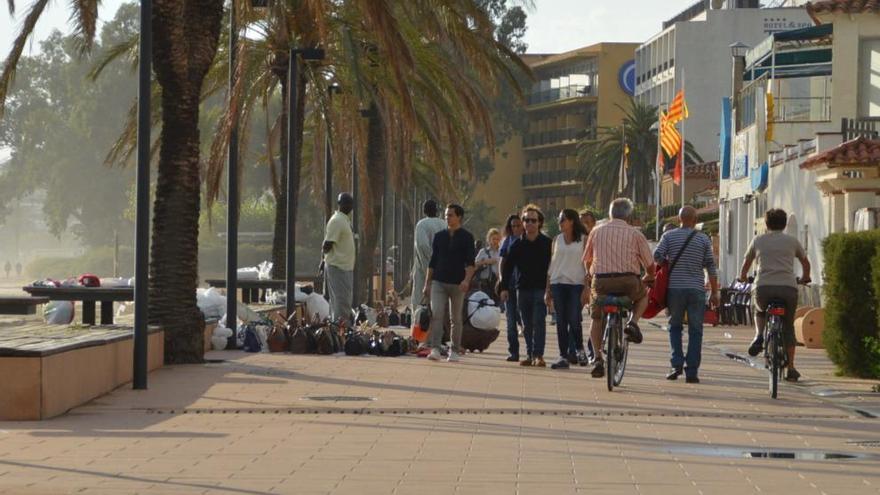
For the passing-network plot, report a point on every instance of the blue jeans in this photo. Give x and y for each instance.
(534, 315)
(512, 319)
(569, 331)
(692, 301)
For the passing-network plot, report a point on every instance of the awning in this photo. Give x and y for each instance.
(802, 52)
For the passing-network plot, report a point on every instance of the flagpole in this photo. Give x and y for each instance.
(658, 174)
(683, 144)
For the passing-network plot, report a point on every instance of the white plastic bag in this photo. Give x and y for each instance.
(219, 343)
(264, 270)
(211, 302)
(116, 282)
(222, 332)
(482, 312)
(317, 307)
(249, 273)
(58, 312)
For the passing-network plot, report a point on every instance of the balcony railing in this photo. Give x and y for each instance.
(803, 109)
(548, 177)
(557, 136)
(854, 128)
(564, 93)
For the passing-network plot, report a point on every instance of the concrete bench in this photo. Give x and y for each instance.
(89, 297)
(47, 370)
(21, 305)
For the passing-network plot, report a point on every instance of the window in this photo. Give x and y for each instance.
(869, 78)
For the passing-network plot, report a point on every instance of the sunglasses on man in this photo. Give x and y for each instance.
(530, 220)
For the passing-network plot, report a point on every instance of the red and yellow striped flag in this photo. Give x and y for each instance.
(678, 109)
(670, 139)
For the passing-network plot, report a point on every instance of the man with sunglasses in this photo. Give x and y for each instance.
(448, 279)
(530, 256)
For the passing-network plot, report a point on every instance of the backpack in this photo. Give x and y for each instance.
(482, 312)
(251, 340)
(394, 318)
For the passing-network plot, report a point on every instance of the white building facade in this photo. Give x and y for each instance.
(694, 49)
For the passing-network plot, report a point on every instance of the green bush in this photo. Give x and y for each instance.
(98, 261)
(852, 290)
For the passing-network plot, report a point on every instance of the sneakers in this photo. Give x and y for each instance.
(539, 362)
(453, 357)
(582, 358)
(792, 375)
(598, 368)
(756, 346)
(674, 373)
(633, 333)
(560, 364)
(435, 355)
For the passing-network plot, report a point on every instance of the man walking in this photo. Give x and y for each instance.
(447, 280)
(614, 257)
(426, 228)
(530, 257)
(8, 268)
(339, 258)
(688, 252)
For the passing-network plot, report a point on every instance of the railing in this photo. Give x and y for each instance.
(548, 95)
(557, 136)
(802, 109)
(854, 128)
(548, 177)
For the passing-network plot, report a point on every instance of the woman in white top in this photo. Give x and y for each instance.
(487, 263)
(566, 287)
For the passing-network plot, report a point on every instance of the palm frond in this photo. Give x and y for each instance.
(9, 65)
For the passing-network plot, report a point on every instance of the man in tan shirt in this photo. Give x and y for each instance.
(614, 256)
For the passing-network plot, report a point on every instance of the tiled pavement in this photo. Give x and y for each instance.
(245, 426)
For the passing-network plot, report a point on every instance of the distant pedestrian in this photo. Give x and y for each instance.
(588, 220)
(448, 279)
(487, 263)
(7, 267)
(18, 269)
(687, 293)
(513, 230)
(530, 257)
(426, 228)
(339, 258)
(567, 282)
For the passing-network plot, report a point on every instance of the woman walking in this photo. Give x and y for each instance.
(513, 230)
(487, 263)
(566, 289)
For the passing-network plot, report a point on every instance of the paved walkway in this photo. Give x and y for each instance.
(248, 425)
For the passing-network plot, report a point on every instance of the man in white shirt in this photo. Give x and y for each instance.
(339, 258)
(426, 228)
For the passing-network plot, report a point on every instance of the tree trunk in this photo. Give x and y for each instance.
(369, 202)
(279, 235)
(186, 35)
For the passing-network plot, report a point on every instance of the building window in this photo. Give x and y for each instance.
(869, 79)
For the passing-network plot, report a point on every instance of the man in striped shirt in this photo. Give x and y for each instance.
(687, 290)
(614, 256)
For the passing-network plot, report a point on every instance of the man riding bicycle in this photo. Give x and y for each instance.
(614, 256)
(775, 279)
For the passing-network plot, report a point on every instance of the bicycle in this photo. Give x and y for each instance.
(775, 354)
(616, 311)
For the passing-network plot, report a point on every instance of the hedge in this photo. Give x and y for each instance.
(852, 295)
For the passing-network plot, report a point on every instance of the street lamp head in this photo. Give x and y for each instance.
(738, 49)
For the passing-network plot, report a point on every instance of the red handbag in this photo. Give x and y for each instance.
(657, 292)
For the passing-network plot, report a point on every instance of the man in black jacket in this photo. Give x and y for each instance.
(531, 258)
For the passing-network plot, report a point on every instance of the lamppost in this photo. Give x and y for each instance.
(142, 184)
(738, 52)
(328, 170)
(232, 186)
(293, 165)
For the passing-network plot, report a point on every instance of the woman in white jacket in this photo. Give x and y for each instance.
(567, 286)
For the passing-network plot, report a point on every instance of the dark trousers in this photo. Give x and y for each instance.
(692, 302)
(569, 330)
(512, 319)
(534, 318)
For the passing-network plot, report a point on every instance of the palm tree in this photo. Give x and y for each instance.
(185, 37)
(599, 158)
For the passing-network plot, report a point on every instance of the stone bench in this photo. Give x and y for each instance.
(47, 370)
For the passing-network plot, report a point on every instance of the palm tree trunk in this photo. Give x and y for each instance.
(186, 35)
(279, 235)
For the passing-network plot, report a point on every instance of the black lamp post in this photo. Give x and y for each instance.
(293, 165)
(142, 217)
(328, 170)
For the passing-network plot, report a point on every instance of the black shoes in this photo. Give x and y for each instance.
(792, 375)
(633, 333)
(512, 358)
(598, 369)
(674, 373)
(691, 379)
(756, 346)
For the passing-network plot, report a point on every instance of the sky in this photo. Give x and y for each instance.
(553, 25)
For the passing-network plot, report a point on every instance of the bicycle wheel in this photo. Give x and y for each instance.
(611, 336)
(621, 351)
(773, 367)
